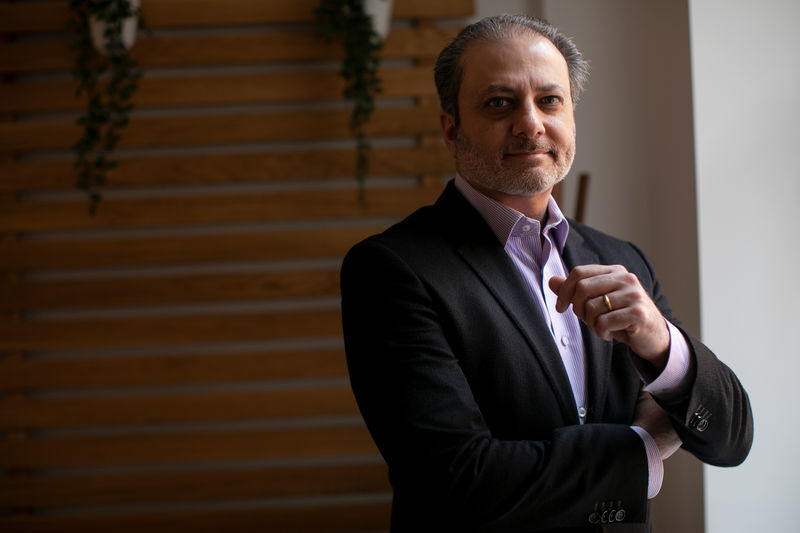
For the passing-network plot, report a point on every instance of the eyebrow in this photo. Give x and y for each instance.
(496, 88)
(500, 88)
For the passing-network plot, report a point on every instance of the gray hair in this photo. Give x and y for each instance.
(449, 71)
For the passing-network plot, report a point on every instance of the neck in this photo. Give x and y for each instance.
(532, 206)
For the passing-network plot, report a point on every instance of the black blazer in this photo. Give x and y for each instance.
(463, 389)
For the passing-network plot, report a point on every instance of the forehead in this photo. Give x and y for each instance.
(527, 60)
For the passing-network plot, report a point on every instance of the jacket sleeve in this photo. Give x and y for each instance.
(445, 464)
(714, 419)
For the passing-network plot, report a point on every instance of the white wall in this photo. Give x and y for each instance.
(746, 75)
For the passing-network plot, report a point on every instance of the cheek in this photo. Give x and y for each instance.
(563, 130)
(496, 136)
(481, 138)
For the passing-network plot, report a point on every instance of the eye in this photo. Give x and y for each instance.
(498, 102)
(551, 100)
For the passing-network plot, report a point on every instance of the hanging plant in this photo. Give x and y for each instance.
(347, 22)
(108, 77)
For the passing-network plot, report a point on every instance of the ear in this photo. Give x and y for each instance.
(448, 125)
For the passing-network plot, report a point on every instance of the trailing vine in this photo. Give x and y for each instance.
(108, 81)
(347, 22)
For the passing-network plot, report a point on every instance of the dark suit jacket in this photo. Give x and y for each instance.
(463, 389)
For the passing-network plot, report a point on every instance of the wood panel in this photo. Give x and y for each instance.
(210, 169)
(178, 249)
(52, 15)
(176, 408)
(214, 209)
(187, 447)
(340, 518)
(249, 48)
(171, 369)
(232, 128)
(175, 362)
(220, 89)
(174, 289)
(168, 330)
(206, 485)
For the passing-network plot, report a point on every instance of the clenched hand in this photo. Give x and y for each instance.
(628, 315)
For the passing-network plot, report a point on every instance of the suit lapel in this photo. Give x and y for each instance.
(480, 249)
(598, 351)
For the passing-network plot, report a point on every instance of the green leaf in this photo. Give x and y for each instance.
(107, 104)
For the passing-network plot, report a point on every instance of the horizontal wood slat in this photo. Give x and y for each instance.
(23, 17)
(331, 518)
(52, 15)
(182, 249)
(188, 369)
(165, 290)
(205, 169)
(160, 409)
(250, 88)
(188, 447)
(233, 128)
(169, 330)
(155, 375)
(217, 209)
(223, 49)
(220, 485)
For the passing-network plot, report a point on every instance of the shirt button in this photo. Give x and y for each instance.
(526, 227)
(565, 340)
(582, 412)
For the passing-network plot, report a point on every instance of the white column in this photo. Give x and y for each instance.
(746, 84)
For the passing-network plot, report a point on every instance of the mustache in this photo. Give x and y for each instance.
(527, 145)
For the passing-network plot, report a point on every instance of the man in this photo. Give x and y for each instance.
(518, 371)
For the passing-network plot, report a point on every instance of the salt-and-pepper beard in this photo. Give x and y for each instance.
(489, 170)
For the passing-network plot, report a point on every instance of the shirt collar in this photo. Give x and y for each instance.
(503, 220)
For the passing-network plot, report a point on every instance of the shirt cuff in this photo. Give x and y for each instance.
(655, 466)
(674, 379)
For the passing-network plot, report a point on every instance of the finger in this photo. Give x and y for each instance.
(575, 280)
(555, 283)
(589, 288)
(614, 325)
(604, 294)
(602, 307)
(639, 324)
(608, 304)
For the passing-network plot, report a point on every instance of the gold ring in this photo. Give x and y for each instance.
(608, 303)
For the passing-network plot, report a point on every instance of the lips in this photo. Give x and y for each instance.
(532, 155)
(528, 150)
(527, 153)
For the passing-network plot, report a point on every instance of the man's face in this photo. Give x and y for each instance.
(517, 129)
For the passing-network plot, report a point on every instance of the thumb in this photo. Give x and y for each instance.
(555, 283)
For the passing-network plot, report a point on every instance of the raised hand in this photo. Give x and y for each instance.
(613, 304)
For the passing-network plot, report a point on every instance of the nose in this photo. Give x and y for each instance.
(528, 123)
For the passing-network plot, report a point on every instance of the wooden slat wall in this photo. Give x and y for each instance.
(175, 362)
